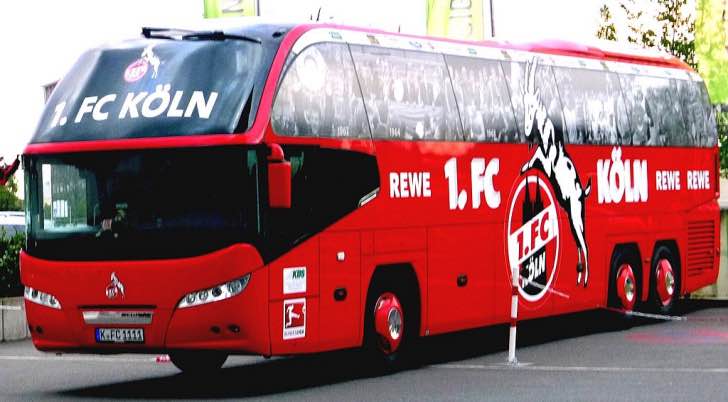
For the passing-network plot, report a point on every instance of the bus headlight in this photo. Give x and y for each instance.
(42, 298)
(215, 293)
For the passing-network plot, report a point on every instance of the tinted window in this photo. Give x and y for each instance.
(594, 110)
(691, 105)
(407, 94)
(517, 77)
(320, 96)
(137, 204)
(483, 99)
(151, 88)
(706, 122)
(654, 110)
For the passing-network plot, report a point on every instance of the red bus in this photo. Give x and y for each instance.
(278, 190)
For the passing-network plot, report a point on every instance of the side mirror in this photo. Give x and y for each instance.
(279, 179)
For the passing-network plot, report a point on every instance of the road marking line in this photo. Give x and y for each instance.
(12, 308)
(647, 315)
(717, 370)
(80, 358)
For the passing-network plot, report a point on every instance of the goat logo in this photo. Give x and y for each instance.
(151, 58)
(551, 158)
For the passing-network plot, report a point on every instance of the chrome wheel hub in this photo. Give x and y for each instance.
(669, 283)
(394, 322)
(629, 289)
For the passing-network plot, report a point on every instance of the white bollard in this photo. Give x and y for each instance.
(514, 316)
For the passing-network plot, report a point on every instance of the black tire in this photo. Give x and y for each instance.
(198, 362)
(654, 302)
(375, 357)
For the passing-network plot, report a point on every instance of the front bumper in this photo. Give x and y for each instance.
(238, 324)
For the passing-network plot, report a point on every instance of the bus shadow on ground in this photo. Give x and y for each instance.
(280, 375)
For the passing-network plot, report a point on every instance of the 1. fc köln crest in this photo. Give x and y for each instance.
(533, 228)
(533, 236)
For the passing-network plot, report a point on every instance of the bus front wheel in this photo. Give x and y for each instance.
(389, 326)
(197, 361)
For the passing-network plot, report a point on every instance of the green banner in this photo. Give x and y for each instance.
(711, 47)
(457, 19)
(230, 8)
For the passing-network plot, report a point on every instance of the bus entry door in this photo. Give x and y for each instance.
(339, 306)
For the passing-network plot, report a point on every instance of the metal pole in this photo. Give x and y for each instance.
(492, 20)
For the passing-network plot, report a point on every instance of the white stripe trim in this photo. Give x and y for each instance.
(607, 369)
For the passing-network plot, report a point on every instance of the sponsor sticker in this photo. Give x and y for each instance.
(294, 318)
(294, 280)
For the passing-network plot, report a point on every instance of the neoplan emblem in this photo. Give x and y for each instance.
(115, 288)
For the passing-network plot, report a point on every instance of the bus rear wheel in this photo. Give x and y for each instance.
(198, 361)
(664, 281)
(626, 287)
(623, 280)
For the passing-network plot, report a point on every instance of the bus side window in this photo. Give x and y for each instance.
(639, 112)
(483, 99)
(319, 96)
(692, 110)
(592, 101)
(655, 110)
(516, 76)
(407, 94)
(674, 124)
(706, 122)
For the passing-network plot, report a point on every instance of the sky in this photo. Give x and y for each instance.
(41, 39)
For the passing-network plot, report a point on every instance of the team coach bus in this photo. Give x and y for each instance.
(279, 190)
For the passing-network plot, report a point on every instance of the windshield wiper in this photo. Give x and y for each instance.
(218, 35)
(169, 33)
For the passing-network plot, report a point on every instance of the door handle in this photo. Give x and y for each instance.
(340, 294)
(462, 280)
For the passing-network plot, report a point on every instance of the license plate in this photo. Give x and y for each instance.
(119, 335)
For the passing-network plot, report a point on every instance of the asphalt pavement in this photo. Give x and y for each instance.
(587, 356)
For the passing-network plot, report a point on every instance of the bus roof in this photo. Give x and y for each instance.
(599, 49)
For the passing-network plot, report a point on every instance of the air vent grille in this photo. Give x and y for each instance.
(701, 244)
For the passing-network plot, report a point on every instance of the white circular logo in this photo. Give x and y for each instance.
(533, 236)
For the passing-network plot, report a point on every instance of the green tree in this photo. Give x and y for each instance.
(721, 120)
(638, 32)
(678, 30)
(9, 272)
(711, 39)
(8, 200)
(606, 30)
(663, 24)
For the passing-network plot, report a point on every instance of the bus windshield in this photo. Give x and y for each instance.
(141, 204)
(157, 87)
